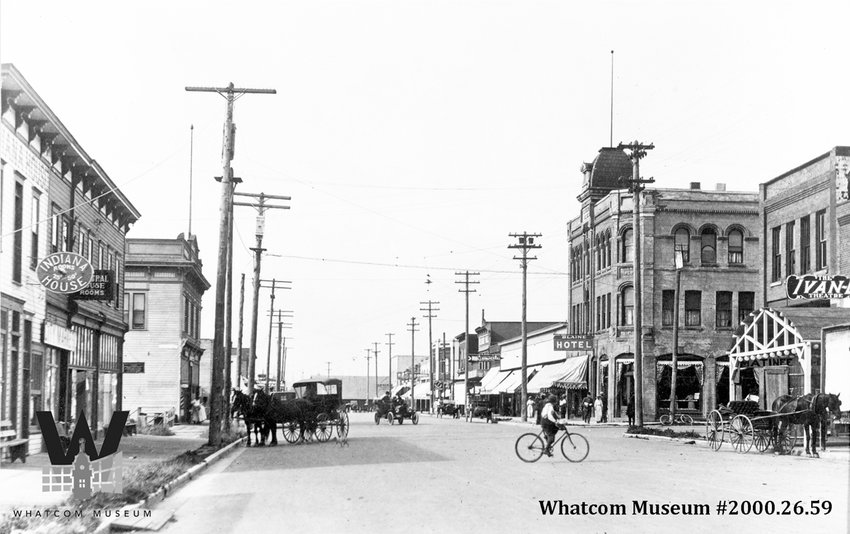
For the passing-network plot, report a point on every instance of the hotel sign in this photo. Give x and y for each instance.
(100, 288)
(574, 343)
(64, 272)
(817, 287)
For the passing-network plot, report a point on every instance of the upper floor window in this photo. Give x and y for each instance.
(736, 247)
(682, 241)
(746, 304)
(627, 250)
(668, 303)
(34, 219)
(776, 255)
(708, 246)
(627, 312)
(607, 249)
(693, 308)
(134, 310)
(724, 309)
(805, 244)
(820, 240)
(790, 253)
(18, 237)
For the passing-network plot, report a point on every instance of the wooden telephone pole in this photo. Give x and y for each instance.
(430, 309)
(635, 186)
(525, 242)
(466, 283)
(217, 394)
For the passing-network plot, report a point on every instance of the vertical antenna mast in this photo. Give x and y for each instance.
(191, 164)
(611, 130)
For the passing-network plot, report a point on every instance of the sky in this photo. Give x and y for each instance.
(415, 136)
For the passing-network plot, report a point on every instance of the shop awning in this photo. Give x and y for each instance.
(544, 377)
(422, 390)
(492, 379)
(571, 374)
(510, 383)
(680, 364)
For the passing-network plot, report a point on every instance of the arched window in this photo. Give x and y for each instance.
(682, 241)
(736, 246)
(708, 246)
(627, 305)
(607, 249)
(627, 250)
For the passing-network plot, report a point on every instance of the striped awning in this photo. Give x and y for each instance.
(492, 379)
(574, 373)
(510, 383)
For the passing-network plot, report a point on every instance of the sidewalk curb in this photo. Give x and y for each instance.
(159, 495)
(649, 437)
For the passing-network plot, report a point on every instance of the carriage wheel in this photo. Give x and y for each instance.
(291, 432)
(377, 418)
(741, 431)
(415, 418)
(666, 419)
(786, 438)
(342, 428)
(762, 439)
(323, 428)
(714, 430)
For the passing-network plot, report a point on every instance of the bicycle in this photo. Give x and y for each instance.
(679, 419)
(530, 447)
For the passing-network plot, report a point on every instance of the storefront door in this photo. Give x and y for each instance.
(775, 384)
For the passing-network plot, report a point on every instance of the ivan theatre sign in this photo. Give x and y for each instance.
(817, 287)
(64, 272)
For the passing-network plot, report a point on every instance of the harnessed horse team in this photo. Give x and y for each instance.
(813, 411)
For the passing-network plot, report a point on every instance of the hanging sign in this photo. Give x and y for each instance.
(101, 287)
(817, 287)
(573, 343)
(64, 272)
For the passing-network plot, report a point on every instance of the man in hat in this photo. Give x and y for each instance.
(549, 421)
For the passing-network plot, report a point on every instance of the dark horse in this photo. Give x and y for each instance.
(297, 417)
(243, 405)
(812, 411)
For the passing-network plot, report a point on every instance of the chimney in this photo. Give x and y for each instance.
(483, 322)
(720, 187)
(695, 185)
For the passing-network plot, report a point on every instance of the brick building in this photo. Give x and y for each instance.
(718, 232)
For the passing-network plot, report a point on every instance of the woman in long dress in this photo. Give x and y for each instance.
(597, 408)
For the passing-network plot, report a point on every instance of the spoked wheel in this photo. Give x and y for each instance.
(390, 418)
(342, 428)
(666, 419)
(786, 438)
(714, 430)
(415, 418)
(575, 447)
(529, 447)
(324, 430)
(291, 432)
(741, 433)
(687, 419)
(762, 439)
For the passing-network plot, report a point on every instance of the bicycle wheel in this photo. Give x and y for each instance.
(529, 447)
(574, 447)
(687, 419)
(665, 419)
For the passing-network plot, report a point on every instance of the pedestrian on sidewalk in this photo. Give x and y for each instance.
(604, 408)
(586, 408)
(630, 410)
(597, 409)
(196, 410)
(529, 407)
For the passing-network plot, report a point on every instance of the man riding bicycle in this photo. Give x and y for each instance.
(549, 421)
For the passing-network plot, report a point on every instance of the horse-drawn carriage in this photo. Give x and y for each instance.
(314, 412)
(747, 426)
(395, 410)
(449, 408)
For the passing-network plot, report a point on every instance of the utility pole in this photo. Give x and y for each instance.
(261, 207)
(635, 186)
(412, 330)
(390, 368)
(444, 356)
(281, 341)
(230, 94)
(525, 242)
(239, 338)
(329, 369)
(466, 282)
(680, 264)
(228, 318)
(271, 316)
(376, 368)
(430, 309)
(368, 370)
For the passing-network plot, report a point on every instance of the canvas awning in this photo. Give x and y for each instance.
(510, 383)
(544, 377)
(405, 391)
(492, 379)
(571, 373)
(422, 390)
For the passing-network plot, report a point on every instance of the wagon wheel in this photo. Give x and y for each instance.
(342, 427)
(390, 418)
(741, 430)
(714, 430)
(415, 418)
(291, 432)
(323, 428)
(762, 439)
(377, 418)
(786, 438)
